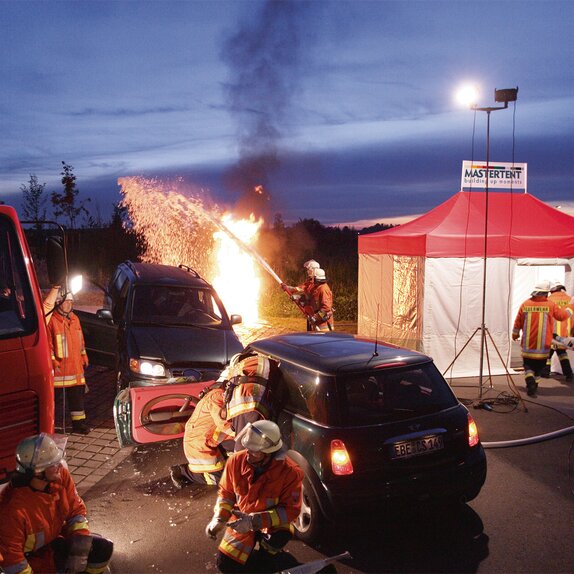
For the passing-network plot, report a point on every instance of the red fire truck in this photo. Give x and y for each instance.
(26, 389)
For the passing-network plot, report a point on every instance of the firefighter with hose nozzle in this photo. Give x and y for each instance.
(301, 294)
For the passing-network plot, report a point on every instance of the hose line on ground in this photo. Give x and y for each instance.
(529, 440)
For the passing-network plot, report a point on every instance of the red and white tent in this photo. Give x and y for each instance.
(421, 284)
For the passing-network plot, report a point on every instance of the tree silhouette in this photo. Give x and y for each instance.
(33, 206)
(66, 203)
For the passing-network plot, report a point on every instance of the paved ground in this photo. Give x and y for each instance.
(93, 456)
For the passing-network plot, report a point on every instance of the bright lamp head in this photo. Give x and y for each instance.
(468, 95)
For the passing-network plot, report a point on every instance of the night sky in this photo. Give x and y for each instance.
(345, 111)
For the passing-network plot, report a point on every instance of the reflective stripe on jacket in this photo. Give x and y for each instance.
(205, 430)
(248, 396)
(275, 496)
(68, 350)
(562, 299)
(536, 318)
(31, 520)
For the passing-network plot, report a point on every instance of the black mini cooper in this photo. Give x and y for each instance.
(370, 424)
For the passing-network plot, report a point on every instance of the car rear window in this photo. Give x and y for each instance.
(393, 394)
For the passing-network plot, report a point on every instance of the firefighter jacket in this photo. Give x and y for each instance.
(322, 306)
(205, 430)
(32, 519)
(273, 495)
(536, 318)
(69, 355)
(562, 299)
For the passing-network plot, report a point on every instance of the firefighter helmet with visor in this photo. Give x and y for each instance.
(310, 267)
(37, 453)
(262, 436)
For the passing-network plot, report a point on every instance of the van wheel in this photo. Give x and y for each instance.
(310, 521)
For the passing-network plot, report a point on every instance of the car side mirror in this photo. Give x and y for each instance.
(104, 314)
(236, 319)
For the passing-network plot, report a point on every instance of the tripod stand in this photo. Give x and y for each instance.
(484, 351)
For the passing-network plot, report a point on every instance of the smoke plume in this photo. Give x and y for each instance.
(264, 66)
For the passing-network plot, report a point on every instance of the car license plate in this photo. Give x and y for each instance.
(425, 445)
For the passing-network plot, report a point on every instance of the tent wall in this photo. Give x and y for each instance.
(453, 314)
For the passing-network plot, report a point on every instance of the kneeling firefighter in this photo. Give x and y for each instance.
(259, 497)
(43, 526)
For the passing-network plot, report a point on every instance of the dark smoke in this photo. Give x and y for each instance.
(264, 64)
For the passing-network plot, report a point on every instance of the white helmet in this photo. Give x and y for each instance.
(541, 287)
(556, 286)
(64, 295)
(37, 453)
(310, 266)
(262, 436)
(319, 275)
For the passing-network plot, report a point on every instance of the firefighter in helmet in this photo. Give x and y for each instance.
(259, 497)
(301, 294)
(321, 303)
(44, 526)
(536, 319)
(562, 329)
(69, 359)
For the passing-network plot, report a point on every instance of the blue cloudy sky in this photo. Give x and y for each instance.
(348, 105)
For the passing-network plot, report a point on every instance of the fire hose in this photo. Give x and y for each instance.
(529, 440)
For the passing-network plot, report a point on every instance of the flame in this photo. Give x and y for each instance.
(237, 281)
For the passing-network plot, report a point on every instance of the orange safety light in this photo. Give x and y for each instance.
(340, 460)
(473, 439)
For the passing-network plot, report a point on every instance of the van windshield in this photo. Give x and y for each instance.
(175, 305)
(393, 394)
(17, 314)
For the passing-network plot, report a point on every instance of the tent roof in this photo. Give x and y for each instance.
(519, 225)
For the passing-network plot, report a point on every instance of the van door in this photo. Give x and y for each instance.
(156, 413)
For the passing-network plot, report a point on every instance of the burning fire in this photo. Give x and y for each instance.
(237, 281)
(177, 229)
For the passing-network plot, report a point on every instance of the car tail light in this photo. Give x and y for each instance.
(473, 439)
(340, 460)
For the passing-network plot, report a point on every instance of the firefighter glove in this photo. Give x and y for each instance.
(215, 526)
(77, 559)
(243, 524)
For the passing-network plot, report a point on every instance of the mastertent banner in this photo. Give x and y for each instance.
(508, 176)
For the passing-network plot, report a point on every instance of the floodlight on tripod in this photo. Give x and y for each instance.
(469, 96)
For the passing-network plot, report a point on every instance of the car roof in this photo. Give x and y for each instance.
(158, 274)
(331, 353)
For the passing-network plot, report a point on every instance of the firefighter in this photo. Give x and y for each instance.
(535, 319)
(322, 303)
(562, 329)
(44, 528)
(301, 294)
(252, 392)
(259, 497)
(207, 438)
(69, 358)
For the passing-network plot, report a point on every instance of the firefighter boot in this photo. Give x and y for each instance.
(531, 386)
(545, 373)
(80, 427)
(178, 478)
(566, 369)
